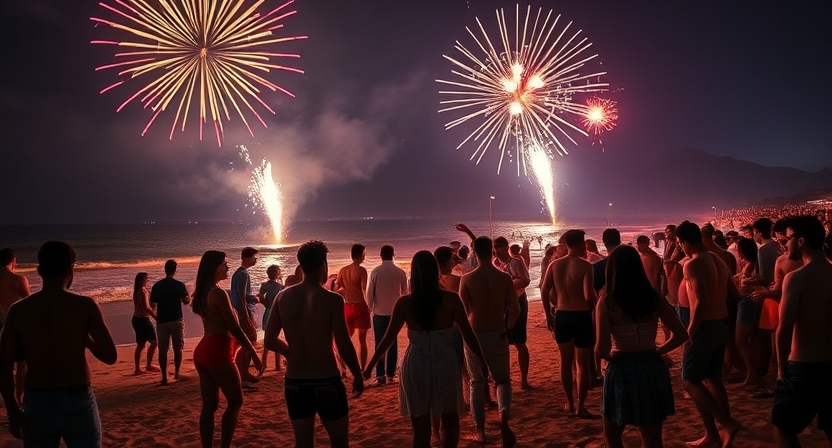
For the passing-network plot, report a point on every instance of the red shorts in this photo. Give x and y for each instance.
(357, 315)
(215, 350)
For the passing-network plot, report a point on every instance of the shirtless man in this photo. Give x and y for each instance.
(652, 262)
(352, 282)
(51, 330)
(708, 231)
(709, 284)
(310, 317)
(486, 293)
(568, 299)
(804, 337)
(13, 287)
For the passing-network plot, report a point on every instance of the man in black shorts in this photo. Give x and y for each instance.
(568, 289)
(804, 337)
(516, 268)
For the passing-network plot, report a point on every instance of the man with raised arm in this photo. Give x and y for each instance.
(804, 337)
(709, 285)
(486, 293)
(51, 330)
(310, 317)
(568, 299)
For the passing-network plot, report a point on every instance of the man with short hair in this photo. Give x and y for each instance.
(651, 261)
(387, 283)
(267, 293)
(611, 239)
(568, 299)
(242, 300)
(486, 293)
(13, 287)
(709, 285)
(708, 232)
(310, 317)
(352, 282)
(767, 252)
(169, 294)
(732, 237)
(516, 268)
(804, 337)
(51, 330)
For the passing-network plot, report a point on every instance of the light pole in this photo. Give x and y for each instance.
(609, 215)
(714, 209)
(490, 198)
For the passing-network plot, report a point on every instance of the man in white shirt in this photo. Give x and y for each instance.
(387, 283)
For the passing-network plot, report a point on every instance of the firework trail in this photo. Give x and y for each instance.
(263, 193)
(521, 84)
(540, 161)
(206, 53)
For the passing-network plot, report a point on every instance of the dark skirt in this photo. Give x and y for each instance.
(637, 389)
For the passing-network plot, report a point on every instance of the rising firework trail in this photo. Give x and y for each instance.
(540, 162)
(521, 84)
(263, 193)
(212, 55)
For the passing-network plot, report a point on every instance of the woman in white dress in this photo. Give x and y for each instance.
(430, 379)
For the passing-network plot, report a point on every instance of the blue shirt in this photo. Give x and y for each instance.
(238, 280)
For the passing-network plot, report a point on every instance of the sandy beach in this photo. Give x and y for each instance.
(137, 412)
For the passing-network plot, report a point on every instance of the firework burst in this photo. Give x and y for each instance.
(212, 54)
(521, 85)
(601, 116)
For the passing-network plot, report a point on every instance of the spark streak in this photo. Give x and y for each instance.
(263, 192)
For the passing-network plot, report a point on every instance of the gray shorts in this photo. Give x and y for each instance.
(168, 331)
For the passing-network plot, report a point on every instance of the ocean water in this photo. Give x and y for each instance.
(110, 256)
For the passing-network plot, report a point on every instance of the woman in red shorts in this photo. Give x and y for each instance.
(214, 355)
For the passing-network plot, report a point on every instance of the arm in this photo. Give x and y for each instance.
(230, 317)
(679, 334)
(695, 299)
(25, 291)
(512, 303)
(589, 288)
(149, 308)
(603, 344)
(9, 347)
(549, 302)
(522, 280)
(186, 298)
(463, 228)
(273, 327)
(390, 336)
(100, 342)
(776, 291)
(468, 335)
(345, 347)
(371, 290)
(789, 306)
(363, 280)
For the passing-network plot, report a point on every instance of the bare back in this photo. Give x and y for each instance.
(445, 316)
(707, 279)
(572, 277)
(13, 287)
(219, 315)
(807, 303)
(486, 293)
(310, 317)
(653, 268)
(51, 330)
(352, 282)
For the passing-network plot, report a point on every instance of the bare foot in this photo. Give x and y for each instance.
(526, 386)
(509, 439)
(152, 368)
(704, 442)
(164, 382)
(137, 373)
(568, 409)
(478, 437)
(728, 432)
(584, 414)
(177, 377)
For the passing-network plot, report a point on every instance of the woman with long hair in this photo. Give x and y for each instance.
(430, 379)
(748, 309)
(142, 325)
(637, 389)
(215, 353)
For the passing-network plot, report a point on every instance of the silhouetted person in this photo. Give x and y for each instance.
(169, 294)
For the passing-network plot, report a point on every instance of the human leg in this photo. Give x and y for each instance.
(137, 358)
(304, 430)
(523, 363)
(567, 357)
(362, 347)
(421, 431)
(209, 391)
(612, 434)
(151, 351)
(339, 432)
(227, 379)
(163, 340)
(450, 430)
(19, 380)
(178, 339)
(786, 439)
(651, 436)
(743, 342)
(583, 356)
(476, 396)
(380, 324)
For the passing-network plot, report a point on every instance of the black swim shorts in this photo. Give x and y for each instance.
(518, 335)
(703, 356)
(144, 330)
(574, 326)
(326, 396)
(805, 391)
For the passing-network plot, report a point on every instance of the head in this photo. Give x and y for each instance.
(248, 257)
(670, 232)
(357, 253)
(689, 236)
(747, 250)
(501, 247)
(386, 252)
(643, 243)
(627, 283)
(140, 282)
(455, 246)
(312, 259)
(611, 239)
(731, 237)
(591, 246)
(804, 235)
(747, 231)
(514, 250)
(170, 268)
(574, 240)
(445, 258)
(762, 230)
(273, 272)
(56, 260)
(483, 249)
(463, 252)
(7, 258)
(707, 232)
(778, 232)
(213, 268)
(719, 240)
(424, 288)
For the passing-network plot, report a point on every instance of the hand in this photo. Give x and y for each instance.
(257, 363)
(357, 386)
(462, 228)
(16, 422)
(550, 321)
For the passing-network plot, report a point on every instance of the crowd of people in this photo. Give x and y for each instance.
(733, 302)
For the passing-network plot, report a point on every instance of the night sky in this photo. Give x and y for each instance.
(363, 137)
